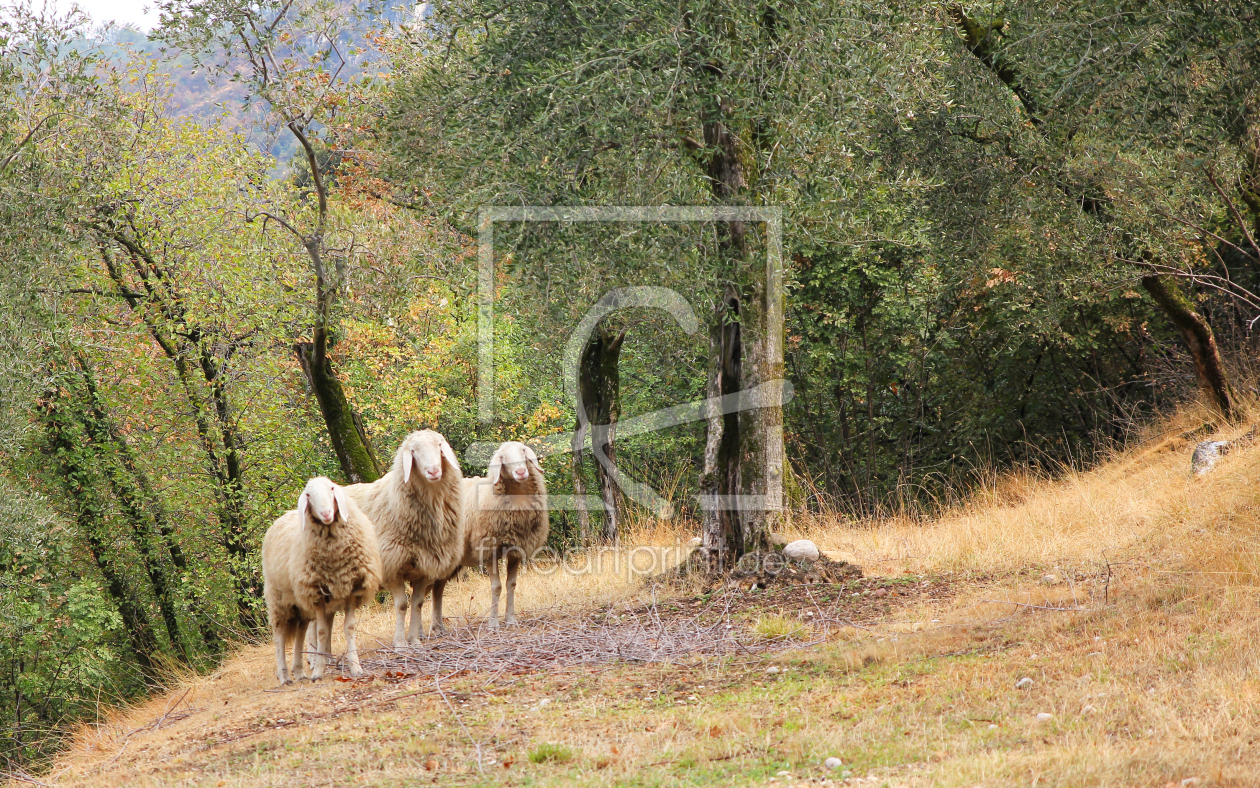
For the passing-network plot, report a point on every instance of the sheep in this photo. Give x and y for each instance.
(505, 516)
(418, 526)
(318, 559)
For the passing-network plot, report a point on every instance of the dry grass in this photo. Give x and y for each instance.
(1155, 687)
(1076, 518)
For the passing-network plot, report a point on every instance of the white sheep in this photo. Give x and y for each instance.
(505, 516)
(416, 511)
(318, 559)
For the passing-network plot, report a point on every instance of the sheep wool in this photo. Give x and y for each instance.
(418, 527)
(318, 559)
(505, 516)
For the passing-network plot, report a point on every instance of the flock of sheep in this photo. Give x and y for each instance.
(417, 524)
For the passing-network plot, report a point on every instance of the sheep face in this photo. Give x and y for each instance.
(322, 500)
(423, 453)
(511, 462)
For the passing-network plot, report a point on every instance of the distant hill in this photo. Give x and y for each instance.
(198, 93)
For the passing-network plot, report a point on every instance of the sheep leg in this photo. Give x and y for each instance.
(401, 603)
(436, 627)
(281, 635)
(415, 631)
(493, 569)
(513, 564)
(308, 639)
(352, 651)
(323, 622)
(298, 633)
(325, 635)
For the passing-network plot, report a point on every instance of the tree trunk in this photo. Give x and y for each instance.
(163, 314)
(78, 467)
(152, 525)
(599, 408)
(761, 428)
(345, 429)
(111, 455)
(720, 481)
(579, 482)
(736, 461)
(1199, 340)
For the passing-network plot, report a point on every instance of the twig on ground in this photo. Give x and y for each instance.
(22, 776)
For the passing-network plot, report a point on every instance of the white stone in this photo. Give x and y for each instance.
(992, 727)
(772, 669)
(1206, 455)
(833, 763)
(1045, 716)
(1024, 683)
(801, 550)
(695, 542)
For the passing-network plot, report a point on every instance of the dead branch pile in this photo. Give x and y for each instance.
(647, 634)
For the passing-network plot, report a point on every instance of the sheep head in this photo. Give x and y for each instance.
(323, 500)
(425, 450)
(511, 462)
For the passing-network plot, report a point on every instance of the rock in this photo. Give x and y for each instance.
(1050, 580)
(694, 543)
(1087, 710)
(992, 727)
(1045, 716)
(801, 550)
(833, 763)
(1206, 455)
(772, 669)
(1024, 683)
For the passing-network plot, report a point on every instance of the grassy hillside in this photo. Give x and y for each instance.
(1127, 594)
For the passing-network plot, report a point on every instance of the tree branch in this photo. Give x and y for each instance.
(320, 191)
(1233, 210)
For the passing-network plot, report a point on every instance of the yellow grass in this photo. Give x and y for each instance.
(1156, 687)
(1079, 517)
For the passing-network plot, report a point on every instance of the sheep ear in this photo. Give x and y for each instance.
(406, 463)
(339, 495)
(449, 454)
(530, 456)
(496, 467)
(302, 501)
